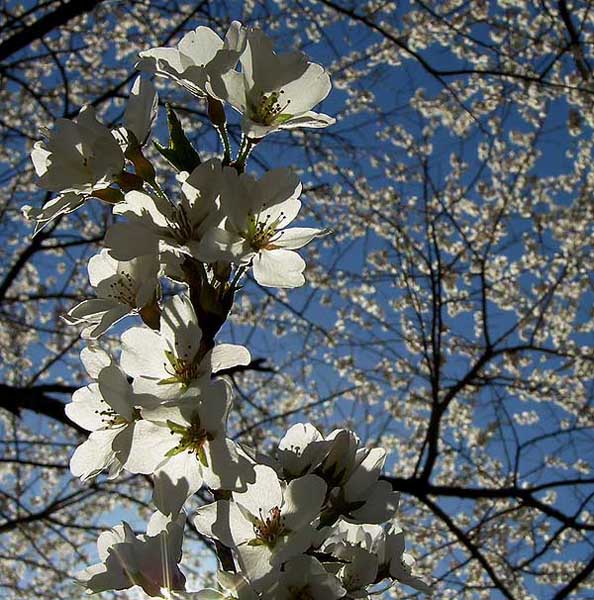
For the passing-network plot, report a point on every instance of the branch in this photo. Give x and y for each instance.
(47, 23)
(36, 399)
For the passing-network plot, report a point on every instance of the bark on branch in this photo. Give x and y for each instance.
(47, 23)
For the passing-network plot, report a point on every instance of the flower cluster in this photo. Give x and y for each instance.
(314, 521)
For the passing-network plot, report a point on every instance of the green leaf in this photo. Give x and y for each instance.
(180, 152)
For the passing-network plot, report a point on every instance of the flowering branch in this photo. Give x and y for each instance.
(313, 520)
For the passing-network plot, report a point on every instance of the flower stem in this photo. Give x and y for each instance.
(224, 135)
(246, 149)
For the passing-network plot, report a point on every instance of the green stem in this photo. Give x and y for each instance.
(243, 155)
(224, 135)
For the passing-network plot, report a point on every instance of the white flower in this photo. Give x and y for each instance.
(358, 563)
(233, 587)
(184, 445)
(401, 563)
(107, 408)
(304, 577)
(167, 362)
(267, 524)
(60, 205)
(301, 450)
(341, 459)
(153, 224)
(141, 110)
(386, 547)
(274, 91)
(363, 498)
(94, 359)
(149, 561)
(200, 55)
(254, 232)
(122, 288)
(79, 156)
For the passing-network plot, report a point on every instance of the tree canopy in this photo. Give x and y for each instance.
(447, 315)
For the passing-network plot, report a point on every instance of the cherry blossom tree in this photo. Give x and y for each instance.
(445, 315)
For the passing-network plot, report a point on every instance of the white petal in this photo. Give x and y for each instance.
(264, 494)
(53, 208)
(108, 538)
(380, 506)
(365, 475)
(179, 327)
(223, 520)
(297, 237)
(310, 119)
(225, 356)
(126, 241)
(101, 266)
(215, 403)
(94, 359)
(227, 469)
(279, 268)
(143, 353)
(110, 318)
(149, 446)
(116, 391)
(255, 563)
(141, 110)
(308, 90)
(85, 407)
(175, 481)
(94, 455)
(302, 501)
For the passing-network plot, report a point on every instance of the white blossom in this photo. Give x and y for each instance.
(79, 157)
(363, 498)
(267, 524)
(149, 560)
(254, 228)
(154, 224)
(301, 450)
(304, 577)
(200, 55)
(184, 445)
(385, 549)
(106, 408)
(274, 91)
(122, 288)
(401, 563)
(167, 362)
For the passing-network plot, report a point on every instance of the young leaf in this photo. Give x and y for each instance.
(180, 152)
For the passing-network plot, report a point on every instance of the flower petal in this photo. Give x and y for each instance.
(279, 268)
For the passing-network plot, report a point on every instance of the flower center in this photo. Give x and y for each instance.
(182, 227)
(269, 529)
(111, 419)
(193, 439)
(123, 290)
(261, 229)
(182, 370)
(269, 111)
